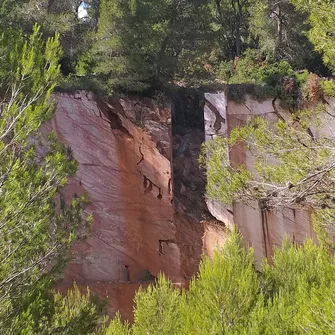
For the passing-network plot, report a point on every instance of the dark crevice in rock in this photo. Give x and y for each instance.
(114, 120)
(230, 211)
(142, 156)
(188, 134)
(218, 118)
(187, 107)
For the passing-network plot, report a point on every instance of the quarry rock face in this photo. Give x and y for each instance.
(138, 165)
(264, 230)
(123, 149)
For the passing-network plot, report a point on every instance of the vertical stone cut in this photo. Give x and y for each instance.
(216, 124)
(187, 136)
(188, 182)
(197, 231)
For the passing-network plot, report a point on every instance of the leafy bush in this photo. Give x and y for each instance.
(262, 79)
(328, 87)
(251, 68)
(229, 296)
(72, 83)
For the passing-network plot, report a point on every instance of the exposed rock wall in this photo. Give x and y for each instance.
(262, 229)
(147, 191)
(123, 148)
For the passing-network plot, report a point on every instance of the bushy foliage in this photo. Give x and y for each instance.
(230, 25)
(261, 78)
(286, 151)
(140, 44)
(230, 296)
(328, 87)
(45, 311)
(52, 16)
(322, 20)
(253, 69)
(281, 32)
(36, 230)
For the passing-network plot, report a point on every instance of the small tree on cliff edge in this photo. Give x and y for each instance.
(35, 235)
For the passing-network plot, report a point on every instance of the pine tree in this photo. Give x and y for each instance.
(141, 44)
(293, 167)
(35, 232)
(230, 23)
(44, 311)
(221, 298)
(281, 33)
(52, 16)
(294, 295)
(117, 327)
(157, 310)
(322, 20)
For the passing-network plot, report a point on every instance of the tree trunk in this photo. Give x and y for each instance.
(239, 16)
(279, 27)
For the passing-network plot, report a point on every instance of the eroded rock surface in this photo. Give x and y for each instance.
(123, 148)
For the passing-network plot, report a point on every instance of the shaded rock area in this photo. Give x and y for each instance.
(123, 149)
(189, 181)
(188, 131)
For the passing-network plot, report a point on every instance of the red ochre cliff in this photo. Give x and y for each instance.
(138, 164)
(123, 149)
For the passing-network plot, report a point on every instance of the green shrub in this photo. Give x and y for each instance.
(262, 79)
(252, 69)
(328, 87)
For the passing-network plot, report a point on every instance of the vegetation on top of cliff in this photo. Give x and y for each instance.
(145, 46)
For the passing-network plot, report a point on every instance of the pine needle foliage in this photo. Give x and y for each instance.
(322, 20)
(294, 295)
(293, 162)
(36, 231)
